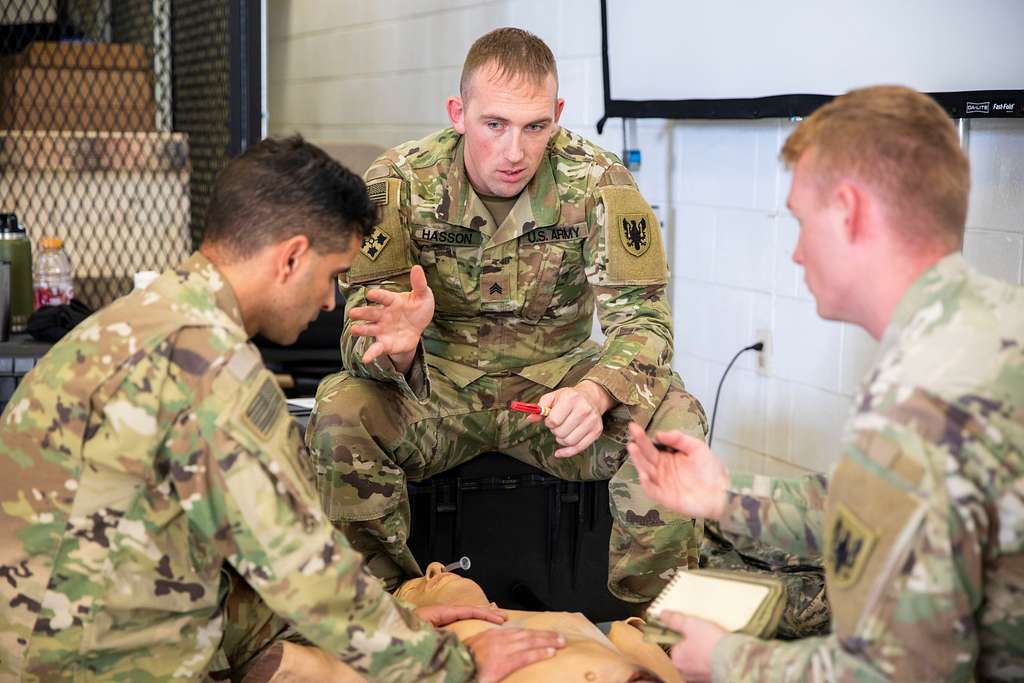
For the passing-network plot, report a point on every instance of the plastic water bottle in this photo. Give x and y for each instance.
(54, 285)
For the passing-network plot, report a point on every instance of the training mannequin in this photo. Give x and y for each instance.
(588, 656)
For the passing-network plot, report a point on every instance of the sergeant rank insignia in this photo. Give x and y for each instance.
(850, 544)
(374, 244)
(634, 233)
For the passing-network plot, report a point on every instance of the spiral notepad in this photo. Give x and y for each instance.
(737, 601)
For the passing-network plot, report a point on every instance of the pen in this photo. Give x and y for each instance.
(531, 408)
(664, 448)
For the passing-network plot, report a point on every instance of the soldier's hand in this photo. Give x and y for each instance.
(692, 655)
(575, 417)
(442, 615)
(501, 651)
(397, 319)
(691, 480)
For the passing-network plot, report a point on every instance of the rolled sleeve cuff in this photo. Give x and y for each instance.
(416, 386)
(615, 381)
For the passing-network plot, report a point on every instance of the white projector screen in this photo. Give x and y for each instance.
(749, 58)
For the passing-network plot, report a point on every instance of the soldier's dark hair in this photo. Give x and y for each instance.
(515, 53)
(901, 143)
(280, 188)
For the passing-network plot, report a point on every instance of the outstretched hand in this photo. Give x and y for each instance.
(397, 319)
(691, 481)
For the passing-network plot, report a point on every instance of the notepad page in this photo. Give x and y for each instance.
(730, 604)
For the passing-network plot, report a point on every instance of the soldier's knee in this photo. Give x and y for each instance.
(342, 394)
(680, 410)
(346, 406)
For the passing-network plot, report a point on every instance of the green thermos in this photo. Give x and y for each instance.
(15, 247)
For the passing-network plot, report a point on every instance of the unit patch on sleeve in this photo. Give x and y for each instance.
(632, 241)
(634, 232)
(374, 244)
(850, 542)
(385, 252)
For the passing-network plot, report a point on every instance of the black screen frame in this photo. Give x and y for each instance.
(958, 104)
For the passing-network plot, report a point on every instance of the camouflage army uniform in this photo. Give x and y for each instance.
(514, 306)
(921, 522)
(147, 451)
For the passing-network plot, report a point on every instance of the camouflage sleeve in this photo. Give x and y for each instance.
(384, 261)
(785, 513)
(627, 271)
(416, 382)
(236, 462)
(906, 523)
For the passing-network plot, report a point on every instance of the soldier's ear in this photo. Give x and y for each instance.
(559, 106)
(288, 256)
(457, 114)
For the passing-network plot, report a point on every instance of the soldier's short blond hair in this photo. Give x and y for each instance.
(514, 53)
(900, 143)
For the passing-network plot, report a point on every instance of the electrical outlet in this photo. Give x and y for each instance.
(764, 356)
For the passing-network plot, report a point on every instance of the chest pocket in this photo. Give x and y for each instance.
(450, 257)
(551, 269)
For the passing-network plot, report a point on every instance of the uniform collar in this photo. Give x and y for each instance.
(921, 304)
(199, 272)
(538, 205)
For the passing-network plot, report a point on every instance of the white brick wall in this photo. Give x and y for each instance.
(380, 72)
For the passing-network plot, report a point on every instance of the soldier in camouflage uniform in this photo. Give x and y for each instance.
(921, 522)
(154, 478)
(521, 228)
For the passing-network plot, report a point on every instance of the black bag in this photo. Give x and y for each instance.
(50, 323)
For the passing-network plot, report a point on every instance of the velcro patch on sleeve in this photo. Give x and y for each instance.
(374, 244)
(850, 544)
(264, 409)
(632, 238)
(448, 236)
(385, 252)
(378, 191)
(870, 525)
(243, 362)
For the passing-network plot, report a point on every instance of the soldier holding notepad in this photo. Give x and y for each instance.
(921, 522)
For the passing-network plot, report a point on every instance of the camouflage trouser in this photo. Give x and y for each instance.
(368, 438)
(250, 628)
(807, 611)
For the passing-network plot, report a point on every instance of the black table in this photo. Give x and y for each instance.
(18, 355)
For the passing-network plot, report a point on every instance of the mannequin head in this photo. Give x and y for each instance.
(438, 587)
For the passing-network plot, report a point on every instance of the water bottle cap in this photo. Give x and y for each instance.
(51, 243)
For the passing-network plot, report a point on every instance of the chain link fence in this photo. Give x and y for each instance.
(114, 120)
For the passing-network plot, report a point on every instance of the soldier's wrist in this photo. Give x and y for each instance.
(403, 361)
(596, 395)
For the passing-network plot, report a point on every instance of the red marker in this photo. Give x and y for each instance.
(531, 408)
